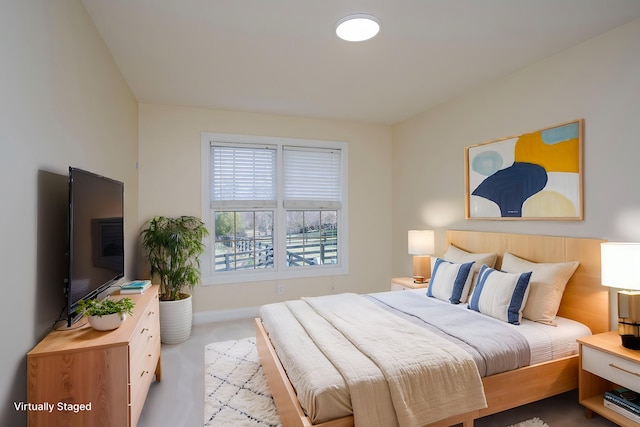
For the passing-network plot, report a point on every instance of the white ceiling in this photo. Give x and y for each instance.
(282, 56)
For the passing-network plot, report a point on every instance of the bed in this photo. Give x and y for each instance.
(584, 300)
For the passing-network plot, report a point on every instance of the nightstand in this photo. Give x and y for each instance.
(406, 283)
(604, 365)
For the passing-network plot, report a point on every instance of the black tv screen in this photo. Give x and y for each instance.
(96, 236)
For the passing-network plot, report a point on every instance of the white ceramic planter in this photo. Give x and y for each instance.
(107, 322)
(176, 318)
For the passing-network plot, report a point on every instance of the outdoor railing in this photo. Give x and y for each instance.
(262, 257)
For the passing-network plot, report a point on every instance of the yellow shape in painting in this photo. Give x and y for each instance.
(548, 204)
(559, 157)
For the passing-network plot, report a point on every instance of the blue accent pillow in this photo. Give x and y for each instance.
(449, 281)
(501, 295)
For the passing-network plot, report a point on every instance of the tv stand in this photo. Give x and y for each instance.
(87, 377)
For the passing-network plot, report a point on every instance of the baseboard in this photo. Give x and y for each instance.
(225, 315)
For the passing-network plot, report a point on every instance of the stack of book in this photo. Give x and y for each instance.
(624, 401)
(135, 287)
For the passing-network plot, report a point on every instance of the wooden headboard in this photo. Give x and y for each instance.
(584, 300)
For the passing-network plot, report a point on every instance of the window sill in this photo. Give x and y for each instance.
(224, 278)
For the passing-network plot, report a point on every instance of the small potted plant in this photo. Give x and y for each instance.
(106, 314)
(173, 247)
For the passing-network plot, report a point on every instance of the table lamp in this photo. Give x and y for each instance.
(421, 246)
(620, 262)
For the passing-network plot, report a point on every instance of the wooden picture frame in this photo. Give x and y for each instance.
(533, 176)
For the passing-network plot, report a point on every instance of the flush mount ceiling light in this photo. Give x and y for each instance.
(358, 27)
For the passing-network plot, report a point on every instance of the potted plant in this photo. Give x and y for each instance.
(173, 247)
(106, 314)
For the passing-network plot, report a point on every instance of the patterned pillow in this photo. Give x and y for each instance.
(457, 255)
(449, 281)
(548, 281)
(500, 295)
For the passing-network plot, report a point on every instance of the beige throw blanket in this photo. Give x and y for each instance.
(427, 378)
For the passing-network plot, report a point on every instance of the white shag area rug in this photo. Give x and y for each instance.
(534, 422)
(236, 390)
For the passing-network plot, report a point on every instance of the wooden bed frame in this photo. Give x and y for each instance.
(584, 300)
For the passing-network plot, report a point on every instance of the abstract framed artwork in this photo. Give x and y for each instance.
(533, 176)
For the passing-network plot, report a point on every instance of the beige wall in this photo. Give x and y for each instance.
(598, 80)
(64, 102)
(170, 149)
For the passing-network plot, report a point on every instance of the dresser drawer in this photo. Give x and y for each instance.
(145, 363)
(144, 352)
(144, 347)
(142, 370)
(146, 330)
(141, 376)
(612, 368)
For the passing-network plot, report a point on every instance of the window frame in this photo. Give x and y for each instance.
(280, 269)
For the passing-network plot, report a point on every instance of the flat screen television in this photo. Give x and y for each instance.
(96, 237)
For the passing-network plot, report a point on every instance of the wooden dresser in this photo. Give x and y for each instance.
(83, 377)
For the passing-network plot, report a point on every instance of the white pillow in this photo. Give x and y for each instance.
(548, 281)
(500, 295)
(457, 255)
(449, 281)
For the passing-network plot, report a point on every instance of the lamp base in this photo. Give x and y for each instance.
(629, 318)
(630, 341)
(421, 268)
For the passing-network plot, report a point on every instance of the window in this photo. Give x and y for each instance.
(243, 201)
(275, 208)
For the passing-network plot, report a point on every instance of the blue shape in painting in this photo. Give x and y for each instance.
(487, 163)
(510, 187)
(560, 134)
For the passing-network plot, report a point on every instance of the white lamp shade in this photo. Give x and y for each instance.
(621, 265)
(421, 242)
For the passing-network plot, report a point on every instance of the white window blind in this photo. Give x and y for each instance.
(312, 178)
(243, 176)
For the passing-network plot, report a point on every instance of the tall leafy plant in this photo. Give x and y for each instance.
(173, 247)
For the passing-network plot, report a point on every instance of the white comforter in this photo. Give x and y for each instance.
(397, 373)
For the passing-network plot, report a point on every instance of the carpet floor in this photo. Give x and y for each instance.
(236, 390)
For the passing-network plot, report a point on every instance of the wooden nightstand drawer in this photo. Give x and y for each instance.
(615, 369)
